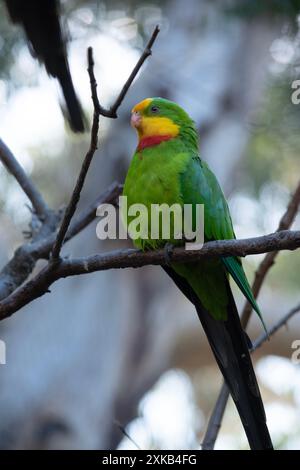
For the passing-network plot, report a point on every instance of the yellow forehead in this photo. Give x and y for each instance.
(141, 105)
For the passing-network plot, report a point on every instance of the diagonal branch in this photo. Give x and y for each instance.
(283, 321)
(112, 111)
(98, 110)
(216, 418)
(147, 52)
(25, 257)
(72, 205)
(14, 167)
(17, 270)
(109, 196)
(39, 285)
(285, 223)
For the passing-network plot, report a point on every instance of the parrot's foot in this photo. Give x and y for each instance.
(168, 252)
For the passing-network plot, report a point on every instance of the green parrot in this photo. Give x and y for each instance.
(166, 169)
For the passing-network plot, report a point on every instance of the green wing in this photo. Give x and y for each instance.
(200, 186)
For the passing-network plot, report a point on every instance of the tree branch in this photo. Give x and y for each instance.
(39, 285)
(72, 205)
(215, 421)
(147, 52)
(13, 166)
(98, 110)
(283, 321)
(112, 111)
(24, 260)
(109, 196)
(285, 223)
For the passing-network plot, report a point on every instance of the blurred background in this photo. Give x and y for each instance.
(124, 348)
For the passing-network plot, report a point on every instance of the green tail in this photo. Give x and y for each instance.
(235, 269)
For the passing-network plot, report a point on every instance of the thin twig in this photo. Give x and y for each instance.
(17, 270)
(93, 82)
(98, 110)
(71, 207)
(39, 285)
(14, 167)
(21, 265)
(109, 196)
(112, 111)
(215, 421)
(268, 261)
(283, 321)
(147, 52)
(125, 433)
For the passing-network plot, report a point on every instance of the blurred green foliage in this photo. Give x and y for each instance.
(274, 148)
(273, 157)
(273, 8)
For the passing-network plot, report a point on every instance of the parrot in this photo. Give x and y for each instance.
(40, 20)
(166, 168)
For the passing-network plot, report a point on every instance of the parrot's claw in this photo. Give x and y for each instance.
(168, 252)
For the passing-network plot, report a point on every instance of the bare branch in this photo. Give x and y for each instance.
(109, 196)
(147, 52)
(39, 285)
(21, 265)
(71, 207)
(24, 260)
(16, 271)
(98, 110)
(112, 111)
(215, 421)
(283, 321)
(14, 167)
(93, 83)
(268, 261)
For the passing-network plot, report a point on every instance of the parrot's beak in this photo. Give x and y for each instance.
(136, 119)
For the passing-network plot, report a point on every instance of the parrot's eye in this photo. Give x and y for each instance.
(154, 109)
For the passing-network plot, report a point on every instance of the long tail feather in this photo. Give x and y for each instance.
(229, 346)
(236, 270)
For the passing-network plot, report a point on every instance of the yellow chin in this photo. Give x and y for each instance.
(151, 126)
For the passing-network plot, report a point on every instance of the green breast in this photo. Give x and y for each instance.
(154, 178)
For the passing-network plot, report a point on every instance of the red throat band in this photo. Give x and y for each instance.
(152, 140)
